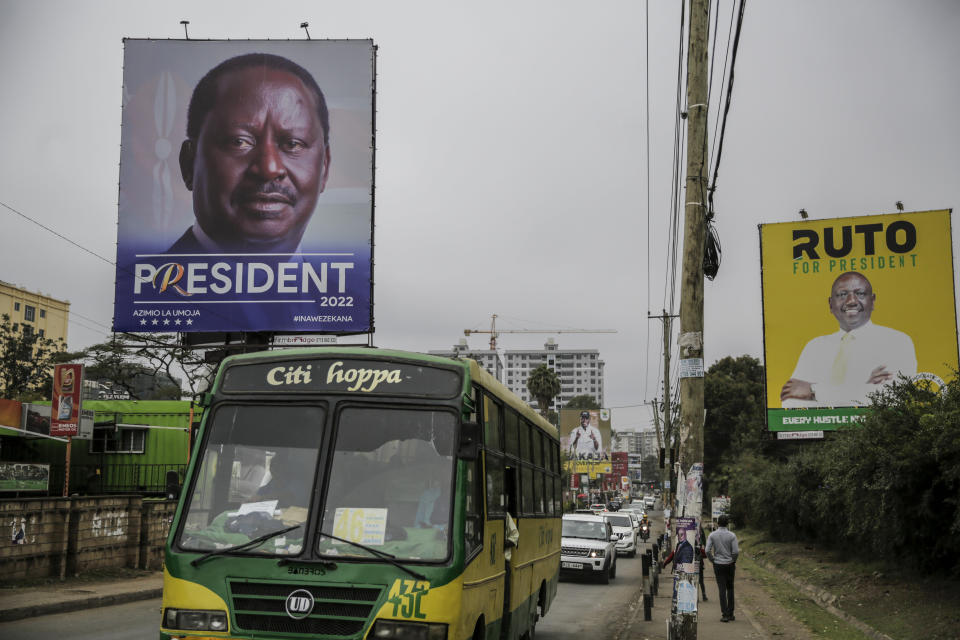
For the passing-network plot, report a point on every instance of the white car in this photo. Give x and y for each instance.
(649, 501)
(587, 547)
(623, 528)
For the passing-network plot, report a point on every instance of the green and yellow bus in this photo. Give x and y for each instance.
(363, 493)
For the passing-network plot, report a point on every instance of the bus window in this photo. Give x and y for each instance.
(491, 423)
(537, 447)
(511, 432)
(391, 484)
(496, 501)
(527, 505)
(538, 491)
(256, 477)
(473, 524)
(525, 441)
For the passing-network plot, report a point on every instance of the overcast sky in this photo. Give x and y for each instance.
(511, 153)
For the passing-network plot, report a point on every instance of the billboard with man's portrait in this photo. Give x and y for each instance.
(851, 305)
(246, 187)
(585, 438)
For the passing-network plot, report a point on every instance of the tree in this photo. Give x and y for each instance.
(543, 385)
(736, 422)
(26, 361)
(125, 359)
(584, 401)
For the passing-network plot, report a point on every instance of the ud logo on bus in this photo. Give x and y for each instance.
(299, 604)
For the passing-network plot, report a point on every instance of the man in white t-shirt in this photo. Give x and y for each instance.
(585, 440)
(842, 368)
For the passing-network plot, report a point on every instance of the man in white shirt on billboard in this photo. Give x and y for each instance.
(585, 440)
(843, 368)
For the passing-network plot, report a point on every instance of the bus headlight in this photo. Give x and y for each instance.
(409, 630)
(195, 620)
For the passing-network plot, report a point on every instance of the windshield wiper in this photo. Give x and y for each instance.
(392, 559)
(245, 545)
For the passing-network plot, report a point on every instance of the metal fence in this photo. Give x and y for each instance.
(93, 479)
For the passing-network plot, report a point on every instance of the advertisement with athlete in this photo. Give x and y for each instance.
(585, 438)
(246, 186)
(851, 305)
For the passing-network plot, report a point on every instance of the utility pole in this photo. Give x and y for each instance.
(683, 619)
(666, 489)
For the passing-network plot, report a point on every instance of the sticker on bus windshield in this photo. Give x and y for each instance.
(268, 506)
(359, 524)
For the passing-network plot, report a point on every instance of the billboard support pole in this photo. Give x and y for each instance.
(683, 621)
(66, 468)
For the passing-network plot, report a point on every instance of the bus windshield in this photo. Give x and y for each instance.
(256, 477)
(390, 485)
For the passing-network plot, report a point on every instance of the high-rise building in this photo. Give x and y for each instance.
(580, 372)
(486, 358)
(44, 315)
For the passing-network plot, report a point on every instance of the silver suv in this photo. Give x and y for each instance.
(623, 528)
(587, 547)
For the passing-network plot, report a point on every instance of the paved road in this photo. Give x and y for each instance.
(587, 609)
(131, 621)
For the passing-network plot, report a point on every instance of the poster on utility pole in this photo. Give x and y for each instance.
(851, 305)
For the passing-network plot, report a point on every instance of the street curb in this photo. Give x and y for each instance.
(822, 598)
(20, 613)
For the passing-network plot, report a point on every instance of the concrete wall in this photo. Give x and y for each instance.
(69, 536)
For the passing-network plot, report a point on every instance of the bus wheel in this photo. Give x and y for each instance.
(479, 631)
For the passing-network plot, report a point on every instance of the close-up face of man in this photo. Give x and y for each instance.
(258, 162)
(851, 300)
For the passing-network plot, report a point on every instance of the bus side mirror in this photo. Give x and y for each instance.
(470, 434)
(173, 485)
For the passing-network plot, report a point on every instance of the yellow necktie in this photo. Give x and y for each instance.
(838, 373)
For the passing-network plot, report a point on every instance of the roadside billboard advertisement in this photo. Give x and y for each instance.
(585, 437)
(719, 506)
(23, 476)
(246, 187)
(36, 418)
(65, 406)
(842, 301)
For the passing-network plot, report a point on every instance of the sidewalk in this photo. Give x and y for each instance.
(27, 602)
(745, 627)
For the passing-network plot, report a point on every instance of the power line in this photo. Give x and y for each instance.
(678, 136)
(726, 57)
(61, 236)
(726, 109)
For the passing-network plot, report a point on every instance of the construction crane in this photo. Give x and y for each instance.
(494, 332)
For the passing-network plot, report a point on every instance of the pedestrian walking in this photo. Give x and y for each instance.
(702, 560)
(723, 550)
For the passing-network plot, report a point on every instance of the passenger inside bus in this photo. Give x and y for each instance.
(290, 474)
(252, 470)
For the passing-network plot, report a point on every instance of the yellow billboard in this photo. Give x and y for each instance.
(585, 438)
(850, 304)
